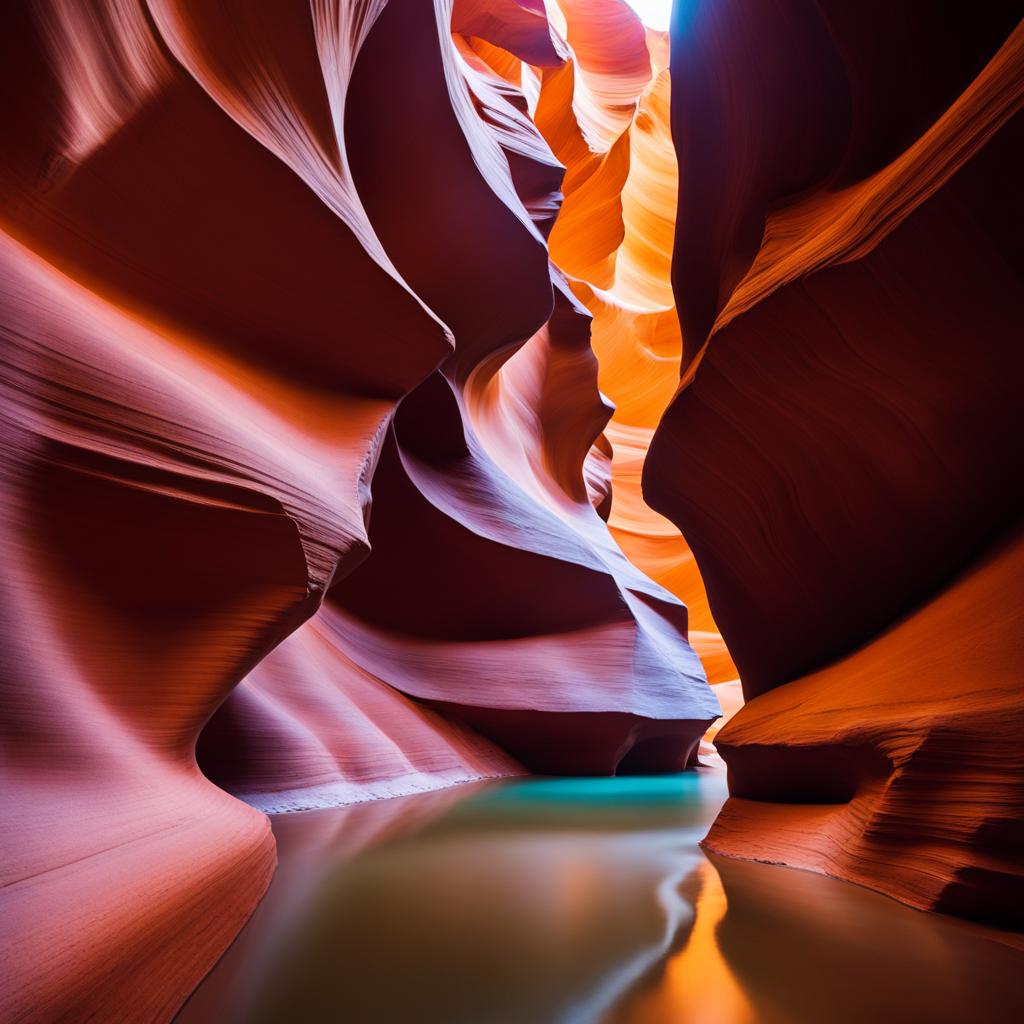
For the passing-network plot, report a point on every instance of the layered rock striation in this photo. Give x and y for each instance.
(605, 113)
(849, 283)
(302, 465)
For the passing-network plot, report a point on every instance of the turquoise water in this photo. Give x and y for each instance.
(578, 901)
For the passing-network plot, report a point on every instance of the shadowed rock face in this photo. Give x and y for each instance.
(259, 263)
(849, 285)
(307, 470)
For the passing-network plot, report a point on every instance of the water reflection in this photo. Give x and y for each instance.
(579, 901)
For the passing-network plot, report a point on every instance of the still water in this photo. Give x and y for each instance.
(578, 901)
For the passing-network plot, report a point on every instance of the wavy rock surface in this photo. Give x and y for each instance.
(308, 727)
(183, 477)
(849, 286)
(498, 508)
(483, 476)
(212, 305)
(613, 239)
(900, 766)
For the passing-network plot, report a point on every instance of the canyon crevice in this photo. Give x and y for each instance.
(365, 364)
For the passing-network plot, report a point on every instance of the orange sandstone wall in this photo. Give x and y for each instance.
(605, 113)
(848, 273)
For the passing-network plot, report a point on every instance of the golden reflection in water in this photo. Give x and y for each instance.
(581, 901)
(697, 986)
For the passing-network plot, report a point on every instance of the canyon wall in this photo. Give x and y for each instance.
(843, 452)
(303, 468)
(334, 339)
(605, 114)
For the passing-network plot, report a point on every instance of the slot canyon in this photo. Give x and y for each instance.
(511, 511)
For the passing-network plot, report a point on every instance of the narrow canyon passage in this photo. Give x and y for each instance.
(511, 511)
(577, 900)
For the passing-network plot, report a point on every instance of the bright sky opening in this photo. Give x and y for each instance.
(653, 13)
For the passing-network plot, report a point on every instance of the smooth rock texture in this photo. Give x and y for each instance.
(364, 364)
(302, 471)
(613, 239)
(899, 767)
(848, 274)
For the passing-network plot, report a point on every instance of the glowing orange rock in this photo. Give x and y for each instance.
(848, 285)
(899, 766)
(613, 239)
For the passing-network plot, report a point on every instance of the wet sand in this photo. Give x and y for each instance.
(578, 901)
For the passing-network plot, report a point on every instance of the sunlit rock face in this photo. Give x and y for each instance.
(842, 457)
(605, 114)
(312, 493)
(303, 462)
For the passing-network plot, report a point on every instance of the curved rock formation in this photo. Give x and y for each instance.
(187, 455)
(484, 474)
(309, 727)
(220, 276)
(900, 766)
(849, 286)
(497, 510)
(311, 493)
(613, 239)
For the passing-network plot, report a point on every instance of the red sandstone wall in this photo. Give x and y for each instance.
(237, 238)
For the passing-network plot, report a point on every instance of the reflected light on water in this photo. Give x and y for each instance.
(697, 986)
(580, 901)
